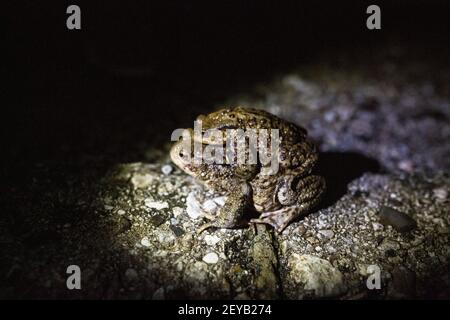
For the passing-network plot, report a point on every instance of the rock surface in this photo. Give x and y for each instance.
(132, 229)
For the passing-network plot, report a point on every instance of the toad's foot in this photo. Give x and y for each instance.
(279, 219)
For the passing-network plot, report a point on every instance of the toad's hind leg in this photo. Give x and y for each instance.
(309, 192)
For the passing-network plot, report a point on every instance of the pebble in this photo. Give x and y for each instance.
(210, 205)
(158, 219)
(406, 165)
(167, 169)
(145, 242)
(220, 200)
(177, 230)
(192, 206)
(211, 240)
(311, 240)
(316, 275)
(398, 220)
(155, 204)
(440, 193)
(177, 211)
(121, 212)
(211, 258)
(377, 226)
(331, 249)
(141, 181)
(327, 233)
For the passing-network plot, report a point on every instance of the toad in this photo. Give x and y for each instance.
(293, 190)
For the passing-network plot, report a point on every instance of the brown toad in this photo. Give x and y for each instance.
(279, 197)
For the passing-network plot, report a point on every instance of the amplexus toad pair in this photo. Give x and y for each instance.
(279, 197)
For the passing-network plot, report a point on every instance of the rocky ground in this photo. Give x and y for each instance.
(383, 133)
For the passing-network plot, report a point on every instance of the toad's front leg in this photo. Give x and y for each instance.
(230, 215)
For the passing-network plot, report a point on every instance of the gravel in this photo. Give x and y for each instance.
(383, 134)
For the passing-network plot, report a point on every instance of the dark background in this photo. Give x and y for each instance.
(139, 69)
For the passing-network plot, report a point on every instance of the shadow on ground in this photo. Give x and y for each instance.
(339, 169)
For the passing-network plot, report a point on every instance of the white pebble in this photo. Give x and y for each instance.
(211, 240)
(327, 233)
(121, 212)
(440, 193)
(145, 242)
(377, 226)
(193, 207)
(210, 205)
(177, 211)
(220, 200)
(211, 258)
(155, 204)
(167, 169)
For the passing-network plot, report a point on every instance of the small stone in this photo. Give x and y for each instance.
(377, 226)
(331, 249)
(315, 275)
(177, 230)
(210, 205)
(398, 220)
(192, 206)
(145, 242)
(220, 200)
(158, 220)
(108, 207)
(211, 258)
(121, 212)
(311, 240)
(440, 193)
(327, 233)
(167, 169)
(166, 237)
(177, 211)
(155, 204)
(211, 240)
(406, 165)
(141, 181)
